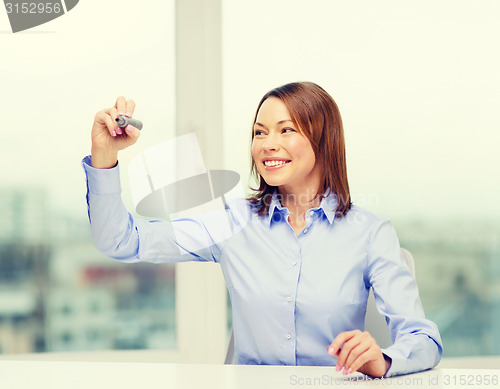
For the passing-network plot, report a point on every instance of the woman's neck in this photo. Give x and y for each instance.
(298, 202)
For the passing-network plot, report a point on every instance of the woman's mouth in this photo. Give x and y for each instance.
(275, 164)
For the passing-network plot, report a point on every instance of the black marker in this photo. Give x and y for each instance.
(124, 121)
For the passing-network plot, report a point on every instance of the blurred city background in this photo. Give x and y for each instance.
(57, 293)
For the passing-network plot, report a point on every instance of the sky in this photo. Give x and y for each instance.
(417, 84)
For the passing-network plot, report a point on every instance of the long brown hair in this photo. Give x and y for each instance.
(316, 114)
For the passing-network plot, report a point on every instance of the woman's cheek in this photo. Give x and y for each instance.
(255, 151)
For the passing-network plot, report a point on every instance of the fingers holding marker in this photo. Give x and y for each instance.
(132, 132)
(124, 121)
(125, 128)
(113, 113)
(109, 136)
(130, 128)
(125, 107)
(122, 113)
(104, 119)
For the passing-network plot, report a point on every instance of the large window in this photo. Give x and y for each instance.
(57, 292)
(417, 85)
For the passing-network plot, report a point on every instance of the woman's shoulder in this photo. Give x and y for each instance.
(363, 217)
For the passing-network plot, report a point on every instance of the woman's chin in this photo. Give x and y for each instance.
(273, 181)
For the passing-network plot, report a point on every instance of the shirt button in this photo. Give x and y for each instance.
(311, 213)
(288, 336)
(294, 263)
(305, 230)
(288, 299)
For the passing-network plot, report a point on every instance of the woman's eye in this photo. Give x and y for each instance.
(257, 132)
(288, 129)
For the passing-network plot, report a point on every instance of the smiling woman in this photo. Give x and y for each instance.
(284, 156)
(301, 123)
(300, 258)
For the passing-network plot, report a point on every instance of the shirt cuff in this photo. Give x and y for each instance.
(401, 366)
(419, 357)
(102, 181)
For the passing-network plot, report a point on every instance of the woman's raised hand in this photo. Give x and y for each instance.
(358, 351)
(108, 138)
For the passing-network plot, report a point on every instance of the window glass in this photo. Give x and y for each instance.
(417, 86)
(57, 292)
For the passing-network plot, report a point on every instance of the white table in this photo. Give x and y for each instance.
(21, 374)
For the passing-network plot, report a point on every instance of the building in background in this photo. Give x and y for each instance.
(458, 271)
(57, 293)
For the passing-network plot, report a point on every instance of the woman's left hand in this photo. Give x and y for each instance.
(358, 351)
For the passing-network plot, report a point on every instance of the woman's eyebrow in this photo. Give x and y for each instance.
(280, 122)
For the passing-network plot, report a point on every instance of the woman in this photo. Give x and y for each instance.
(301, 263)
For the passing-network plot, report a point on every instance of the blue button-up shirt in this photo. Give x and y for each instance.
(291, 294)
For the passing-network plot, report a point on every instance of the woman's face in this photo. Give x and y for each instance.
(283, 156)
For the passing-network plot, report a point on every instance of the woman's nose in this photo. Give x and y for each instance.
(271, 143)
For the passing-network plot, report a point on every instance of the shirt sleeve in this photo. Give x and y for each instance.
(417, 344)
(117, 234)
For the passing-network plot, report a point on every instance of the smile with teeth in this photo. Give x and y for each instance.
(275, 163)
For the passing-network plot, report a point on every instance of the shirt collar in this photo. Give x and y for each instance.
(275, 207)
(328, 206)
